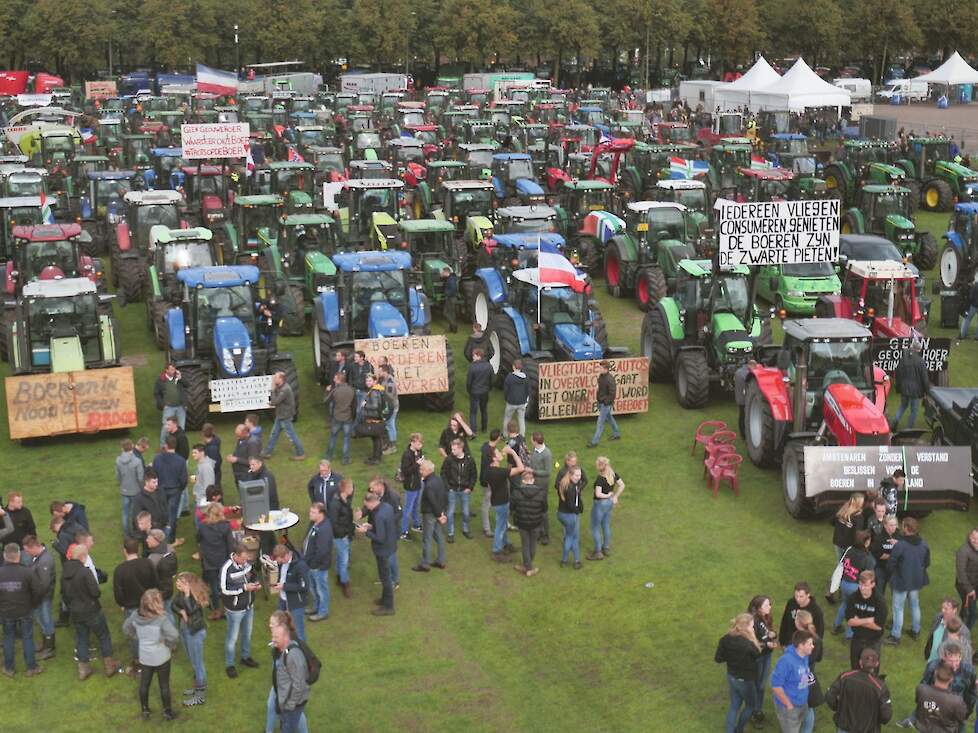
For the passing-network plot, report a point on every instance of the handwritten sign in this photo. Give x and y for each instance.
(100, 90)
(239, 395)
(70, 402)
(778, 232)
(420, 362)
(569, 388)
(216, 140)
(935, 352)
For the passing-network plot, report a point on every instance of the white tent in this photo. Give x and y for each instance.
(738, 93)
(800, 88)
(953, 71)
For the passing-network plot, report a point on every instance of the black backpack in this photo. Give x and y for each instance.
(313, 665)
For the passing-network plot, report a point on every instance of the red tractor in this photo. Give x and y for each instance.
(206, 193)
(49, 252)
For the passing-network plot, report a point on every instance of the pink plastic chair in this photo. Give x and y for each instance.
(714, 451)
(726, 467)
(704, 437)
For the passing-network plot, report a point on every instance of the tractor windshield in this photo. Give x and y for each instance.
(312, 137)
(679, 135)
(297, 179)
(499, 118)
(257, 217)
(108, 189)
(561, 305)
(427, 137)
(774, 190)
(210, 185)
(58, 258)
(168, 163)
(519, 168)
(471, 203)
(24, 185)
(479, 158)
(60, 144)
(179, 255)
(65, 316)
(526, 226)
(375, 287)
(891, 203)
(429, 243)
(367, 140)
(412, 118)
(666, 223)
(150, 216)
(729, 124)
(809, 269)
(377, 200)
(229, 302)
(692, 198)
(598, 200)
(732, 294)
(839, 361)
(410, 153)
(329, 162)
(24, 216)
(794, 147)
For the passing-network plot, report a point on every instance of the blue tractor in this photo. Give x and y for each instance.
(514, 179)
(217, 341)
(959, 258)
(372, 297)
(544, 322)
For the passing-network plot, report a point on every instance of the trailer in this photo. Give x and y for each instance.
(376, 83)
(699, 91)
(487, 80)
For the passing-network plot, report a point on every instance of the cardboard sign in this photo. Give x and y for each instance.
(569, 388)
(420, 362)
(851, 469)
(240, 395)
(100, 90)
(33, 100)
(215, 140)
(87, 401)
(778, 232)
(888, 352)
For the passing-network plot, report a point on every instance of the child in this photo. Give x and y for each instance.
(191, 598)
(157, 638)
(212, 449)
(142, 445)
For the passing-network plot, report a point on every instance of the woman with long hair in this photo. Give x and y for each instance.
(214, 543)
(608, 487)
(760, 610)
(570, 506)
(848, 520)
(278, 622)
(854, 560)
(740, 650)
(804, 621)
(157, 637)
(191, 598)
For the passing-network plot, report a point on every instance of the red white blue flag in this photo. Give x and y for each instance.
(216, 81)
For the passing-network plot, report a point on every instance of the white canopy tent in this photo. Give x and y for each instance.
(799, 89)
(953, 71)
(738, 93)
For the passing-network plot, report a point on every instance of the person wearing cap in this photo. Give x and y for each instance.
(860, 699)
(912, 381)
(606, 402)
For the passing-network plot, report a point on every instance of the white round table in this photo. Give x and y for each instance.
(282, 525)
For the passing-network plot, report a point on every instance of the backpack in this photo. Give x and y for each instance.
(313, 665)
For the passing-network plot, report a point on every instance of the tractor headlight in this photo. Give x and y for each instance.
(228, 360)
(796, 293)
(247, 361)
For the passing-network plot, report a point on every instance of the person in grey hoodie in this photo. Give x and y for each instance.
(290, 685)
(204, 477)
(157, 637)
(129, 474)
(283, 400)
(516, 392)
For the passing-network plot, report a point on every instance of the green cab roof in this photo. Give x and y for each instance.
(880, 188)
(703, 268)
(279, 165)
(307, 220)
(425, 226)
(164, 235)
(588, 185)
(264, 199)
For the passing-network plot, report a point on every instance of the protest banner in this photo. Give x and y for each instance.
(420, 362)
(100, 90)
(569, 388)
(215, 140)
(242, 394)
(87, 401)
(888, 352)
(777, 232)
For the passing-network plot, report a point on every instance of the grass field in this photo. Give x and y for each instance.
(478, 647)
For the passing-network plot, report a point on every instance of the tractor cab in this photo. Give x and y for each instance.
(437, 101)
(143, 211)
(431, 244)
(137, 151)
(725, 161)
(253, 220)
(888, 211)
(206, 192)
(559, 315)
(477, 97)
(369, 169)
(295, 182)
(167, 169)
(790, 150)
(19, 211)
(106, 190)
(328, 162)
(478, 159)
(881, 294)
(407, 159)
(366, 145)
(481, 132)
(723, 125)
(48, 252)
(172, 250)
(58, 147)
(959, 258)
(526, 220)
(763, 184)
(546, 114)
(468, 201)
(410, 113)
(664, 133)
(580, 198)
(303, 239)
(942, 178)
(389, 101)
(429, 137)
(343, 101)
(529, 135)
(443, 171)
(501, 119)
(513, 178)
(592, 116)
(658, 224)
(579, 138)
(371, 212)
(773, 123)
(109, 136)
(23, 182)
(694, 195)
(719, 301)
(311, 136)
(862, 161)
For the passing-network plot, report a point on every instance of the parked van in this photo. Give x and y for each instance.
(909, 90)
(860, 89)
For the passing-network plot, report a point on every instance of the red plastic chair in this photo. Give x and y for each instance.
(714, 451)
(704, 437)
(726, 467)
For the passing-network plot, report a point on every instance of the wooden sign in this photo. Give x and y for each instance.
(420, 362)
(100, 90)
(214, 140)
(569, 388)
(87, 401)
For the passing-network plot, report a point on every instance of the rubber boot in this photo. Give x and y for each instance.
(111, 666)
(47, 647)
(84, 671)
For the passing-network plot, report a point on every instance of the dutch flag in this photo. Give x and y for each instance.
(215, 81)
(553, 267)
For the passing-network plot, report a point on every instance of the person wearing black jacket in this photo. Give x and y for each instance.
(152, 500)
(340, 513)
(571, 486)
(293, 586)
(356, 374)
(516, 392)
(478, 383)
(740, 651)
(391, 498)
(913, 381)
(130, 579)
(81, 591)
(189, 601)
(881, 547)
(182, 448)
(21, 518)
(478, 340)
(245, 448)
(258, 471)
(19, 594)
(972, 311)
(317, 551)
(856, 560)
(459, 473)
(434, 504)
(487, 455)
(164, 559)
(860, 699)
(411, 481)
(42, 565)
(528, 502)
(373, 412)
(324, 484)
(239, 581)
(801, 600)
(607, 390)
(382, 533)
(171, 469)
(214, 544)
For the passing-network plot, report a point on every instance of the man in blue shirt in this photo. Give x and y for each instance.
(790, 682)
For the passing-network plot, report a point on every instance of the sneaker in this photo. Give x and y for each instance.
(532, 571)
(146, 713)
(466, 534)
(193, 700)
(595, 556)
(421, 569)
(616, 437)
(266, 456)
(892, 640)
(372, 461)
(405, 536)
(195, 556)
(383, 611)
(500, 557)
(177, 542)
(837, 629)
(451, 539)
(390, 450)
(578, 565)
(319, 617)
(232, 672)
(592, 444)
(249, 662)
(34, 672)
(8, 673)
(914, 635)
(486, 533)
(520, 569)
(906, 723)
(509, 549)
(830, 598)
(169, 715)
(416, 529)
(606, 551)
(563, 563)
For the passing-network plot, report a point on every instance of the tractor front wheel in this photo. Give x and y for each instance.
(157, 314)
(937, 195)
(793, 480)
(198, 396)
(293, 311)
(656, 345)
(951, 266)
(443, 401)
(131, 275)
(759, 428)
(505, 343)
(482, 308)
(651, 287)
(926, 256)
(322, 354)
(613, 270)
(692, 379)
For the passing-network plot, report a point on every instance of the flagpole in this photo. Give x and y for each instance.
(539, 276)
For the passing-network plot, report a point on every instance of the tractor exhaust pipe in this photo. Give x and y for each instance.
(801, 389)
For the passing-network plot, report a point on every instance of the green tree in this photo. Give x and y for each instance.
(70, 35)
(283, 31)
(472, 32)
(177, 33)
(879, 30)
(948, 26)
(734, 30)
(812, 28)
(382, 31)
(568, 26)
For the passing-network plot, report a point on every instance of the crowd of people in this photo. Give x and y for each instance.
(428, 502)
(875, 550)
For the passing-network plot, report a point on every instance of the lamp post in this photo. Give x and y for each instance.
(237, 53)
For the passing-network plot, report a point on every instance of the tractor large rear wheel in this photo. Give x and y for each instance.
(600, 332)
(322, 354)
(692, 379)
(482, 308)
(793, 480)
(613, 266)
(198, 396)
(157, 323)
(937, 195)
(657, 345)
(835, 182)
(131, 276)
(443, 401)
(505, 343)
(759, 428)
(293, 311)
(951, 266)
(651, 287)
(926, 256)
(9, 316)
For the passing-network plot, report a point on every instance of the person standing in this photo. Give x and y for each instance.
(191, 598)
(450, 307)
(866, 616)
(258, 471)
(131, 578)
(212, 449)
(205, 476)
(389, 496)
(760, 610)
(570, 494)
(478, 339)
(290, 672)
(487, 454)
(357, 373)
(214, 544)
(498, 477)
(41, 564)
(941, 627)
(971, 312)
(855, 561)
(801, 600)
(739, 650)
(164, 559)
(608, 488)
(238, 585)
(790, 682)
(528, 503)
(908, 565)
(340, 513)
(459, 474)
(881, 547)
(478, 383)
(245, 448)
(541, 463)
(171, 469)
(607, 390)
(740, 391)
(457, 429)
(373, 411)
(385, 378)
(282, 399)
(516, 392)
(129, 475)
(151, 501)
(966, 577)
(382, 534)
(173, 428)
(317, 551)
(939, 710)
(434, 504)
(913, 382)
(292, 587)
(156, 637)
(80, 590)
(171, 399)
(20, 592)
(860, 699)
(411, 481)
(341, 402)
(324, 484)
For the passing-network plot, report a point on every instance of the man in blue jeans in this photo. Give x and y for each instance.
(19, 592)
(170, 398)
(607, 389)
(41, 564)
(171, 469)
(282, 398)
(317, 551)
(912, 381)
(498, 476)
(340, 513)
(342, 406)
(238, 585)
(909, 561)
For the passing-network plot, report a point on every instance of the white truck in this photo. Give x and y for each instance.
(860, 90)
(909, 90)
(375, 83)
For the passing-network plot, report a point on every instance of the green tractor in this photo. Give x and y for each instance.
(695, 196)
(578, 199)
(726, 160)
(243, 240)
(293, 180)
(429, 193)
(644, 255)
(862, 162)
(469, 206)
(62, 326)
(648, 163)
(137, 152)
(371, 212)
(299, 256)
(431, 244)
(888, 212)
(705, 332)
(939, 180)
